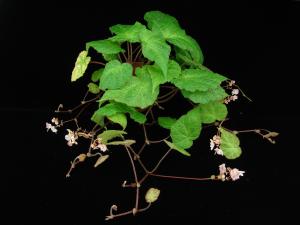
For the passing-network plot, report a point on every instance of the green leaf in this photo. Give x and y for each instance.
(198, 80)
(189, 44)
(114, 108)
(155, 49)
(96, 75)
(230, 144)
(137, 93)
(173, 146)
(213, 111)
(119, 118)
(105, 46)
(166, 122)
(126, 142)
(170, 29)
(107, 135)
(81, 64)
(204, 97)
(93, 88)
(187, 129)
(128, 33)
(115, 75)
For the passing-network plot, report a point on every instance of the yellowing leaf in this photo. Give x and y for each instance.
(152, 195)
(81, 64)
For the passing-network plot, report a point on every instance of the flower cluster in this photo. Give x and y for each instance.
(71, 137)
(233, 96)
(227, 173)
(215, 145)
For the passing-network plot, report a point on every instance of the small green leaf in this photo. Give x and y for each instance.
(173, 146)
(114, 108)
(105, 46)
(93, 88)
(128, 33)
(110, 134)
(96, 75)
(187, 129)
(166, 122)
(213, 111)
(109, 57)
(198, 80)
(81, 64)
(137, 93)
(152, 195)
(101, 160)
(204, 97)
(115, 75)
(125, 142)
(155, 49)
(119, 118)
(230, 144)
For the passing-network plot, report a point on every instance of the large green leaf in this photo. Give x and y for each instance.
(187, 129)
(156, 74)
(119, 118)
(173, 146)
(128, 33)
(155, 48)
(198, 80)
(114, 108)
(110, 134)
(213, 111)
(104, 46)
(230, 144)
(137, 93)
(115, 75)
(170, 29)
(166, 122)
(81, 64)
(204, 97)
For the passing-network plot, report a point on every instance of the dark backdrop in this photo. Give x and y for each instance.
(255, 44)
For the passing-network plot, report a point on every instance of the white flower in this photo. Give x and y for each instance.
(218, 151)
(55, 121)
(49, 126)
(235, 174)
(235, 91)
(212, 144)
(98, 145)
(71, 137)
(222, 169)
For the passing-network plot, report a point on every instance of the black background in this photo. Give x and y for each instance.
(255, 44)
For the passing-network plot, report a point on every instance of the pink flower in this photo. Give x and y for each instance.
(218, 151)
(235, 174)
